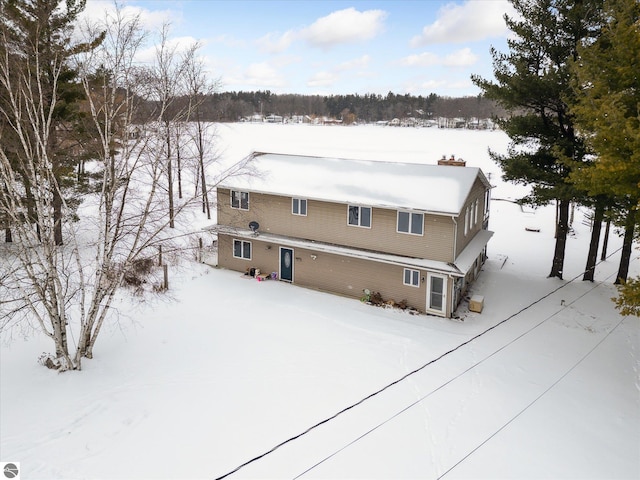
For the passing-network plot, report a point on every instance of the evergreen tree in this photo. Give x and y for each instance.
(40, 99)
(607, 106)
(532, 83)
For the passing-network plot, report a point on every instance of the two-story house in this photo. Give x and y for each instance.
(412, 232)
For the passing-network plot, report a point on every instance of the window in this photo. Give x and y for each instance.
(410, 223)
(360, 216)
(242, 249)
(298, 206)
(487, 197)
(412, 277)
(466, 220)
(240, 200)
(475, 212)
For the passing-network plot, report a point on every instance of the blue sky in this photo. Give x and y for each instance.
(335, 47)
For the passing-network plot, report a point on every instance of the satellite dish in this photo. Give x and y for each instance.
(254, 226)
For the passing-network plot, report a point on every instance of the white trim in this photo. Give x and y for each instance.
(243, 242)
(445, 287)
(411, 214)
(475, 212)
(413, 271)
(388, 258)
(239, 207)
(360, 207)
(300, 200)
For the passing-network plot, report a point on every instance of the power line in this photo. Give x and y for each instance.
(402, 378)
(448, 381)
(534, 400)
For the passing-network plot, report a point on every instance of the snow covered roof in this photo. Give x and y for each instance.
(431, 188)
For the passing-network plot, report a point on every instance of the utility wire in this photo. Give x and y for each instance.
(448, 382)
(534, 400)
(404, 377)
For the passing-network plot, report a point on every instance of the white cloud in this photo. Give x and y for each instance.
(433, 84)
(262, 75)
(470, 21)
(344, 26)
(177, 44)
(227, 41)
(356, 63)
(273, 43)
(322, 79)
(460, 58)
(151, 20)
(426, 59)
(285, 60)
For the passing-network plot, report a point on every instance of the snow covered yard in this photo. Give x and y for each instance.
(231, 367)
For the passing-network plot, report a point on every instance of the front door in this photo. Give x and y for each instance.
(436, 293)
(286, 264)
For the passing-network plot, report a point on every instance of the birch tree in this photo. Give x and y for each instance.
(67, 290)
(198, 88)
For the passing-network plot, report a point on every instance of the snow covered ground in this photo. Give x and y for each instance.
(228, 368)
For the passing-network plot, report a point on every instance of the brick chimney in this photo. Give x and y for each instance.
(453, 161)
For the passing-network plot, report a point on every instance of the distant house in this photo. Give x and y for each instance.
(414, 233)
(255, 118)
(272, 118)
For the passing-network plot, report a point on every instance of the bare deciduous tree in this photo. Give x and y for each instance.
(67, 289)
(198, 88)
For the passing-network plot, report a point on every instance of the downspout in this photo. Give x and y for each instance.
(455, 249)
(455, 239)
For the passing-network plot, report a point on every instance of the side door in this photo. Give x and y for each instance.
(437, 293)
(286, 264)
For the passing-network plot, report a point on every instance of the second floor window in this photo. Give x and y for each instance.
(298, 206)
(359, 216)
(242, 249)
(240, 200)
(410, 223)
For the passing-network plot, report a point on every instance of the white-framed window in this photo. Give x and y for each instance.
(411, 277)
(412, 223)
(359, 216)
(475, 212)
(239, 200)
(487, 198)
(467, 218)
(242, 249)
(299, 206)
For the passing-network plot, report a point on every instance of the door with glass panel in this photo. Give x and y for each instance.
(436, 293)
(286, 264)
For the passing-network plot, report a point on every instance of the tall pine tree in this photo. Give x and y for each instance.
(40, 99)
(532, 83)
(607, 106)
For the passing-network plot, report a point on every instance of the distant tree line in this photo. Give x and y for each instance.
(363, 108)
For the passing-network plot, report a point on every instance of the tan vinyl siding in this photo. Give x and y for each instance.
(477, 193)
(327, 222)
(329, 272)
